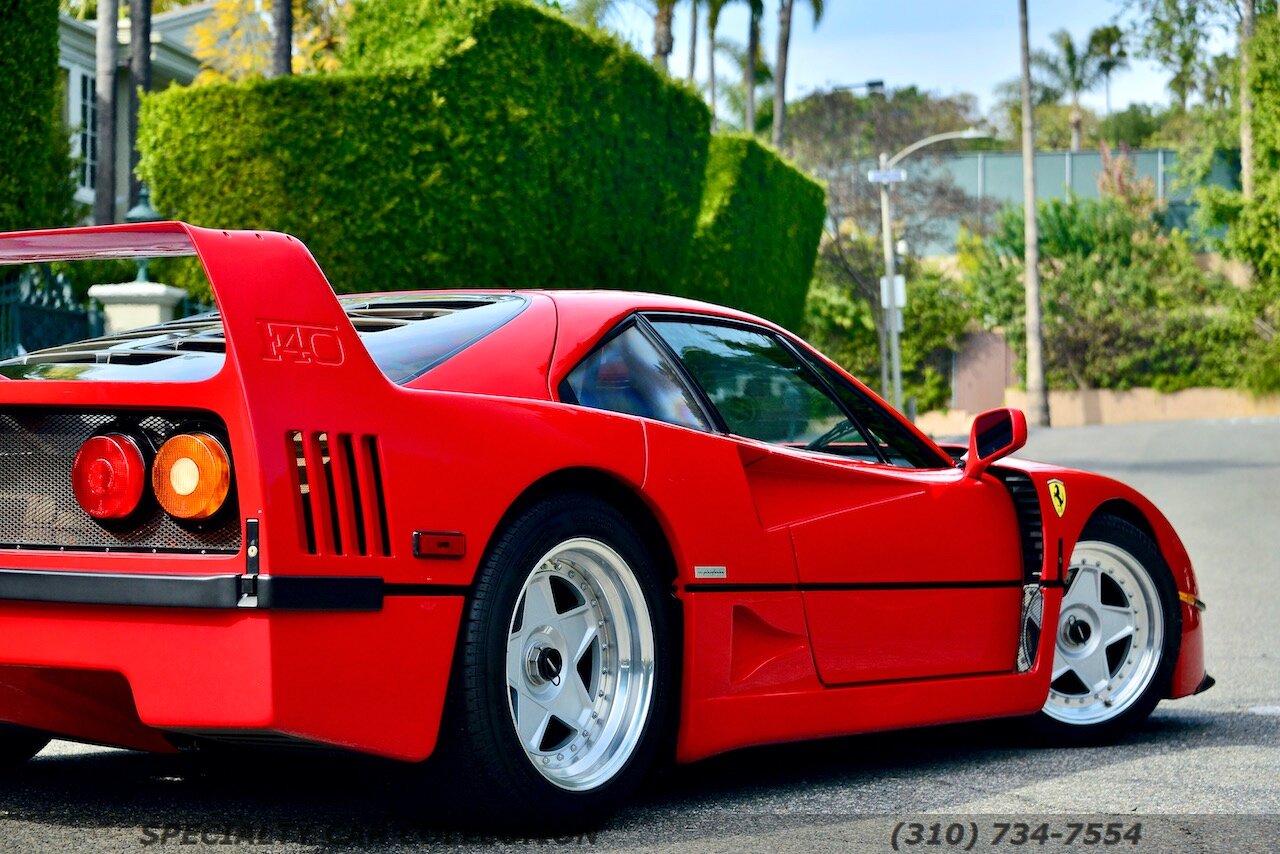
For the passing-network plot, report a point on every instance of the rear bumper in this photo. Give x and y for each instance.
(190, 654)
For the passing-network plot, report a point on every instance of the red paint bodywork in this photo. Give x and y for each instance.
(764, 659)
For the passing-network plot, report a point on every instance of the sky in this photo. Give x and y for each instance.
(943, 46)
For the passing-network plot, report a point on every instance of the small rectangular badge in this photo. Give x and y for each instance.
(710, 572)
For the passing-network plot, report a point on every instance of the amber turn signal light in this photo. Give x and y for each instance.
(108, 476)
(191, 476)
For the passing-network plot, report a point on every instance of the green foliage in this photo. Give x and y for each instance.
(484, 142)
(1136, 126)
(1124, 303)
(1255, 231)
(757, 233)
(461, 174)
(838, 320)
(36, 188)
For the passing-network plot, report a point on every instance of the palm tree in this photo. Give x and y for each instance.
(1037, 391)
(734, 97)
(663, 13)
(139, 79)
(282, 38)
(714, 8)
(1072, 69)
(753, 62)
(780, 75)
(693, 36)
(104, 85)
(1107, 44)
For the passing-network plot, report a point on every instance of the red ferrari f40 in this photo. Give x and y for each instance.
(555, 537)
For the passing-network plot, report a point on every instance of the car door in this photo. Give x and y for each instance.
(908, 569)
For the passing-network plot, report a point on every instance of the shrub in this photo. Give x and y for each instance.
(757, 234)
(36, 189)
(458, 174)
(469, 142)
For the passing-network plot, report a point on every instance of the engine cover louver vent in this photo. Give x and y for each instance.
(339, 487)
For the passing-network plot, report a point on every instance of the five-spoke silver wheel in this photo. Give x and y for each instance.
(580, 664)
(1110, 636)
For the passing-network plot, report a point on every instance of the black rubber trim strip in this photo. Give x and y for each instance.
(810, 588)
(319, 593)
(274, 592)
(1206, 683)
(425, 589)
(93, 588)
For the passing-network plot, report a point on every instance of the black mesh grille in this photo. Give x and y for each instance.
(39, 510)
(1027, 505)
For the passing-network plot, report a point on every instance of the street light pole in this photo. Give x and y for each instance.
(893, 315)
(885, 176)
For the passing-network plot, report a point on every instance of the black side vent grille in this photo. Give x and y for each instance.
(1030, 522)
(339, 487)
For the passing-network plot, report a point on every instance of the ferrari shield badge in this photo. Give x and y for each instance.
(1058, 496)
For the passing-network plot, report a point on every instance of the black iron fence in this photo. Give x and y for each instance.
(39, 309)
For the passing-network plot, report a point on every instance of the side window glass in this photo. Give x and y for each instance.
(761, 390)
(898, 446)
(630, 375)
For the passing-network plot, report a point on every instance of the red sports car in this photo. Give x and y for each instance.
(551, 537)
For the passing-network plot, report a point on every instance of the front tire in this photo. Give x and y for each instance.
(565, 668)
(1118, 635)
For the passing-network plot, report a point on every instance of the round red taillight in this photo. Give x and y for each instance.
(108, 476)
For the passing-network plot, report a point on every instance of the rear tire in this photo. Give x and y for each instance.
(1117, 638)
(18, 744)
(564, 684)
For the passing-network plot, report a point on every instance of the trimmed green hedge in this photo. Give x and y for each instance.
(35, 171)
(467, 143)
(757, 234)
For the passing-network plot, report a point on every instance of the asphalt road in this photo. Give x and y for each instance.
(1202, 775)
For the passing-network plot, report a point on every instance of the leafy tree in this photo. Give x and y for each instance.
(236, 42)
(1136, 126)
(1125, 303)
(1071, 69)
(1173, 33)
(840, 322)
(35, 168)
(835, 135)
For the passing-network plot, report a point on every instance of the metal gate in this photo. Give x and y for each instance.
(39, 310)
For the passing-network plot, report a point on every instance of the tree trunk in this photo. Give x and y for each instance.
(753, 50)
(139, 80)
(1077, 119)
(662, 38)
(1037, 392)
(693, 37)
(1246, 101)
(780, 73)
(711, 69)
(282, 38)
(104, 87)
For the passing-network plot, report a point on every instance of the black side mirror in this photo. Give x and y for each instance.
(996, 433)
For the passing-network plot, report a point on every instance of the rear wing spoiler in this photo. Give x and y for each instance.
(277, 308)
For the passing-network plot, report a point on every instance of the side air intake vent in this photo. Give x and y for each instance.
(1027, 505)
(340, 499)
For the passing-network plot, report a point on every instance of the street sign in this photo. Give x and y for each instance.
(887, 176)
(899, 292)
